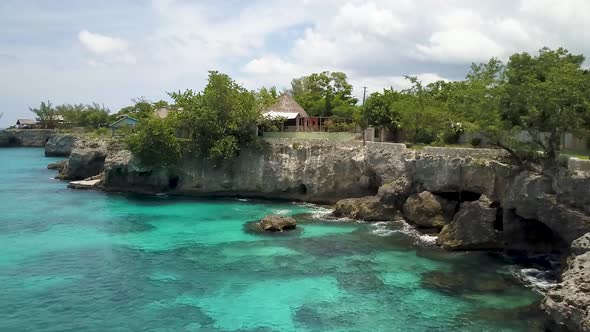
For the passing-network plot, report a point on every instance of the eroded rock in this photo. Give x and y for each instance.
(59, 145)
(428, 210)
(472, 228)
(568, 304)
(274, 223)
(368, 208)
(87, 159)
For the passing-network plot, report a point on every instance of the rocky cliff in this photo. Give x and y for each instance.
(60, 145)
(24, 137)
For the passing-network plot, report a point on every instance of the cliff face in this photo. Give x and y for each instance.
(60, 145)
(24, 137)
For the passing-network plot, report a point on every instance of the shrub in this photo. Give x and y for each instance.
(475, 141)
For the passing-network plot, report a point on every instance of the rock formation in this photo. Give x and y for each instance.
(60, 145)
(568, 304)
(24, 137)
(274, 223)
(427, 210)
(368, 208)
(473, 228)
(86, 160)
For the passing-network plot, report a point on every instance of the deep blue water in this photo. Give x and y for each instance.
(90, 261)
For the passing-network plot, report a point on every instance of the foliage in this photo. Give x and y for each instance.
(475, 141)
(141, 109)
(46, 114)
(545, 95)
(335, 125)
(154, 142)
(266, 97)
(220, 120)
(324, 94)
(380, 110)
(88, 116)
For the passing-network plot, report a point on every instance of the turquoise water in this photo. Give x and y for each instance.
(89, 261)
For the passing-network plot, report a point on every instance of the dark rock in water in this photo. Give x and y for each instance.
(428, 210)
(58, 165)
(59, 145)
(274, 223)
(253, 227)
(472, 228)
(368, 208)
(568, 304)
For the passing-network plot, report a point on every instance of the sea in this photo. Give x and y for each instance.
(93, 261)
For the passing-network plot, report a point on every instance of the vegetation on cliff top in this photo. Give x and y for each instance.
(543, 96)
(540, 96)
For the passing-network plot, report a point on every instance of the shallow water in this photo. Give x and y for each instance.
(89, 261)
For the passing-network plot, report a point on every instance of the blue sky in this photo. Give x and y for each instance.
(111, 51)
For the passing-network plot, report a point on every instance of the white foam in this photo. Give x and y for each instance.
(281, 211)
(243, 200)
(539, 280)
(385, 228)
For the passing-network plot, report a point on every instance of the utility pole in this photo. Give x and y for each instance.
(364, 115)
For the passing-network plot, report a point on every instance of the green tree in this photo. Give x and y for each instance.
(140, 110)
(266, 97)
(88, 116)
(219, 121)
(423, 116)
(324, 94)
(380, 110)
(154, 142)
(46, 114)
(545, 95)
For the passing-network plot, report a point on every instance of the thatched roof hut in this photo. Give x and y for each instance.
(286, 107)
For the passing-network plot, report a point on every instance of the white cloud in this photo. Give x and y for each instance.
(264, 42)
(460, 46)
(105, 49)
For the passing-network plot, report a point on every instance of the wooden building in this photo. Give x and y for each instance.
(295, 117)
(124, 121)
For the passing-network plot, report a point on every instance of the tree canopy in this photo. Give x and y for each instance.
(324, 94)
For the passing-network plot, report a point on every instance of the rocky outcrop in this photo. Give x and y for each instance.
(473, 228)
(581, 245)
(58, 165)
(60, 145)
(24, 137)
(86, 160)
(368, 208)
(274, 223)
(568, 304)
(427, 210)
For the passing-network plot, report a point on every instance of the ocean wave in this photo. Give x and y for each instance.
(387, 228)
(539, 280)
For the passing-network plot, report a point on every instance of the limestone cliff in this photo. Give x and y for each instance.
(24, 137)
(60, 145)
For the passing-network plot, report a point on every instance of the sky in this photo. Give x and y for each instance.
(113, 51)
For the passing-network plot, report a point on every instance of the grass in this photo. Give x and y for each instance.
(576, 154)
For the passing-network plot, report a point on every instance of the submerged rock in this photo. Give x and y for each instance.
(472, 228)
(428, 210)
(273, 223)
(368, 208)
(568, 304)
